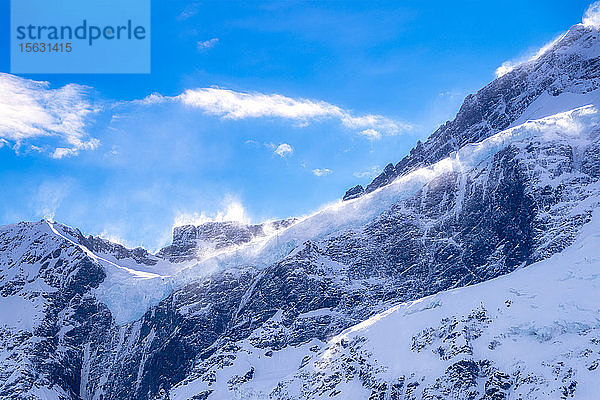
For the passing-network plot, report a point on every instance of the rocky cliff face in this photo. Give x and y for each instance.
(251, 311)
(49, 317)
(571, 66)
(458, 230)
(192, 242)
(531, 334)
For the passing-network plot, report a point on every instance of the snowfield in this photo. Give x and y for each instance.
(531, 334)
(128, 297)
(539, 322)
(468, 270)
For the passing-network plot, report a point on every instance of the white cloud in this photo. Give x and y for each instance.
(451, 93)
(57, 121)
(61, 152)
(233, 210)
(508, 66)
(48, 198)
(321, 171)
(239, 105)
(375, 122)
(189, 11)
(591, 18)
(230, 104)
(110, 235)
(283, 150)
(30, 110)
(371, 134)
(207, 44)
(371, 172)
(505, 68)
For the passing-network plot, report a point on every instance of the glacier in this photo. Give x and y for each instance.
(533, 325)
(538, 328)
(465, 271)
(128, 298)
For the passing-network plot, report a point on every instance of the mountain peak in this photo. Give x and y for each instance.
(562, 76)
(195, 241)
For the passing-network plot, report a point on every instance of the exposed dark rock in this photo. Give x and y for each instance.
(190, 242)
(354, 192)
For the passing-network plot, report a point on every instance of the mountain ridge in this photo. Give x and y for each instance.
(496, 106)
(255, 318)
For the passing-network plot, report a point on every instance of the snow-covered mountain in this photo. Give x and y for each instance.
(366, 298)
(560, 76)
(532, 334)
(195, 242)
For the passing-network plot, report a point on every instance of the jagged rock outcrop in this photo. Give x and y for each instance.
(354, 192)
(571, 65)
(190, 242)
(257, 320)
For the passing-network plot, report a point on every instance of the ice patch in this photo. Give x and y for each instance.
(128, 297)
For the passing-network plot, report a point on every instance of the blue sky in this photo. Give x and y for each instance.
(253, 110)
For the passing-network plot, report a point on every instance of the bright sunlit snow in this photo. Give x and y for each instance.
(129, 298)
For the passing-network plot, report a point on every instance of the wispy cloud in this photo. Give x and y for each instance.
(370, 173)
(283, 150)
(207, 44)
(233, 210)
(62, 152)
(321, 171)
(371, 134)
(110, 235)
(189, 11)
(58, 122)
(30, 110)
(508, 66)
(230, 104)
(49, 196)
(451, 94)
(591, 18)
(240, 105)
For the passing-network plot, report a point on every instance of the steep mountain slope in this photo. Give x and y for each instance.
(232, 311)
(527, 198)
(532, 334)
(195, 242)
(47, 312)
(561, 75)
